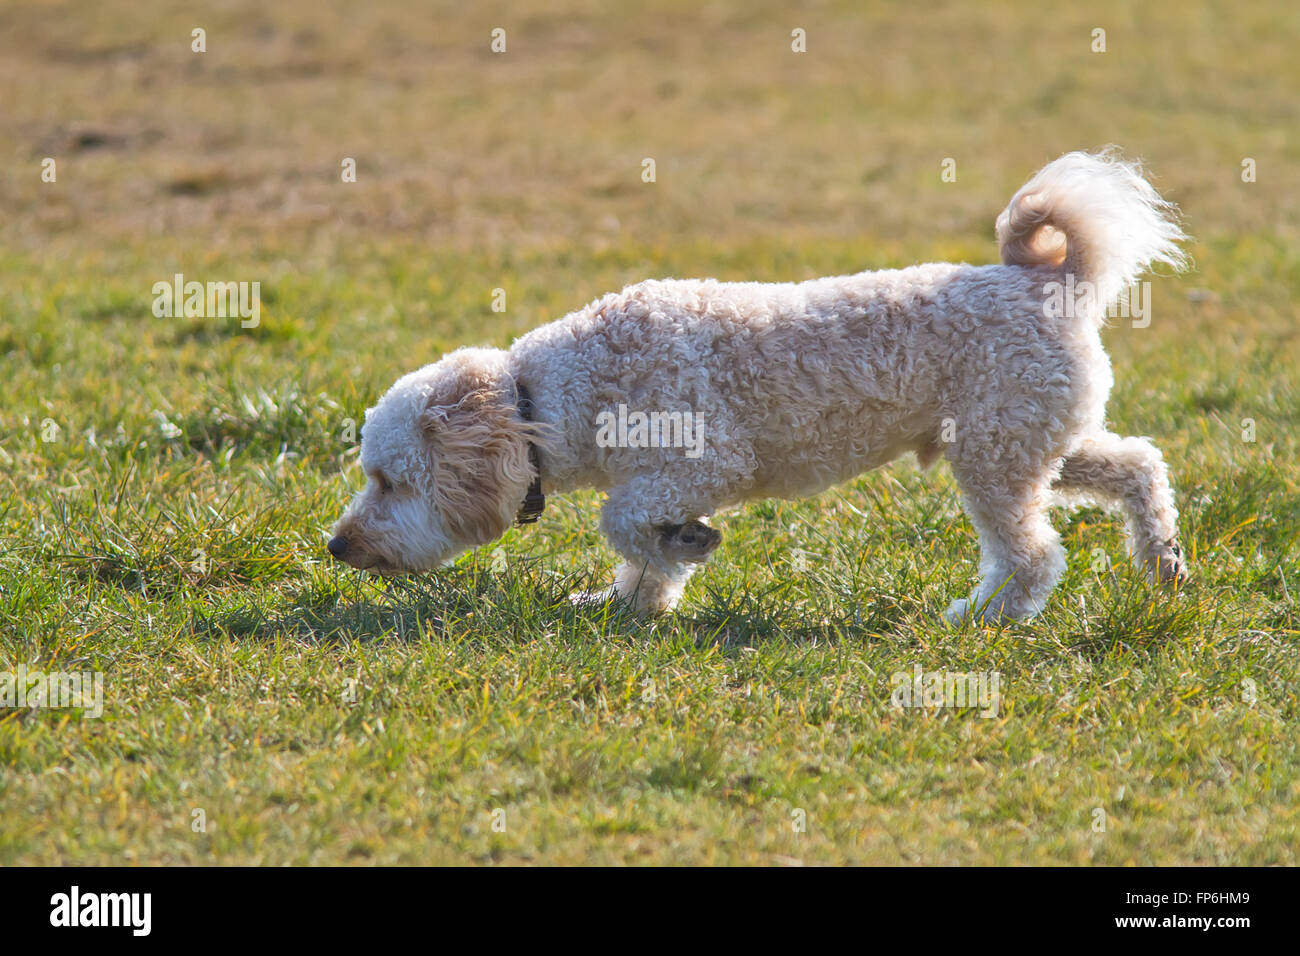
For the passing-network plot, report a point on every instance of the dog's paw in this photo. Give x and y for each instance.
(642, 605)
(690, 543)
(593, 598)
(996, 611)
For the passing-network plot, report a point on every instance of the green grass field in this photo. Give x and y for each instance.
(166, 484)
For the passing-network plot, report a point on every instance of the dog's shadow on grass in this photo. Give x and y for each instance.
(745, 617)
(336, 624)
(522, 604)
(467, 602)
(1134, 622)
(525, 603)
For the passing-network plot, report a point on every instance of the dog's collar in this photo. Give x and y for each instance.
(534, 501)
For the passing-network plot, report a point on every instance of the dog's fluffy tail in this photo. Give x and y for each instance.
(1095, 216)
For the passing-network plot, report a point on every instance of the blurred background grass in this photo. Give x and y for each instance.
(543, 143)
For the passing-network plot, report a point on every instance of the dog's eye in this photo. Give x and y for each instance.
(385, 486)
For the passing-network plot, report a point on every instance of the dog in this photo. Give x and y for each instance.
(794, 387)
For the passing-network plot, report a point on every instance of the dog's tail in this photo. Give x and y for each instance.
(1096, 217)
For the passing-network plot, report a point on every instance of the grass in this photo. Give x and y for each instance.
(264, 706)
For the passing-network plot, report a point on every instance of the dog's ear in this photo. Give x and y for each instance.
(479, 449)
(459, 395)
(447, 411)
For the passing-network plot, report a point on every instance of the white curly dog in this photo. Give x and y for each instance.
(793, 387)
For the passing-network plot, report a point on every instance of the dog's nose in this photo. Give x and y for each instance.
(338, 546)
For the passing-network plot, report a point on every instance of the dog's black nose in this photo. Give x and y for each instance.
(338, 546)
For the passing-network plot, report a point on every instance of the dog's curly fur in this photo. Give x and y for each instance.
(800, 386)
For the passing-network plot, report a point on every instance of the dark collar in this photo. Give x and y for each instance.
(534, 501)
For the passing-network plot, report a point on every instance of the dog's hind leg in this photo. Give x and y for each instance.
(1129, 473)
(1021, 557)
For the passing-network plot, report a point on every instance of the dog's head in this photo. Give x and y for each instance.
(446, 458)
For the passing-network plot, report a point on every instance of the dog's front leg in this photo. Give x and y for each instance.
(653, 582)
(661, 541)
(690, 542)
